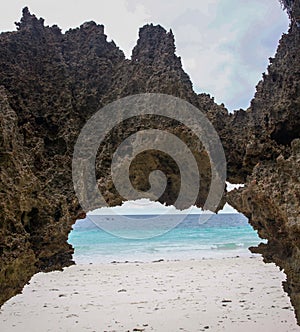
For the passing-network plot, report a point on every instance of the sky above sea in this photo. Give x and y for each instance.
(146, 207)
(222, 235)
(224, 44)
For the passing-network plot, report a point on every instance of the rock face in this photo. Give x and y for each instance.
(270, 200)
(51, 83)
(271, 196)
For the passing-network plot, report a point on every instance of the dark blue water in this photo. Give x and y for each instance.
(223, 235)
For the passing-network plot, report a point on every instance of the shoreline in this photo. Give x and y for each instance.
(244, 255)
(226, 294)
(80, 259)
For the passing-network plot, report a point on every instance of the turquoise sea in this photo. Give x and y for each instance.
(223, 235)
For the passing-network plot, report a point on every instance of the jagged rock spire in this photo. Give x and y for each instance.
(155, 45)
(29, 21)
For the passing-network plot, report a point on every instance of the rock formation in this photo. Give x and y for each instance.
(271, 196)
(51, 83)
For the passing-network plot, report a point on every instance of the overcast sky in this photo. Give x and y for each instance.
(224, 44)
(145, 206)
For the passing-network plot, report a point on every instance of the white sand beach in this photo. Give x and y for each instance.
(229, 294)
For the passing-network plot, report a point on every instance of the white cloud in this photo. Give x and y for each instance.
(231, 186)
(228, 209)
(146, 207)
(121, 24)
(224, 44)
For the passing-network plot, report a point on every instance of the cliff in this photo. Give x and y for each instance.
(271, 196)
(51, 83)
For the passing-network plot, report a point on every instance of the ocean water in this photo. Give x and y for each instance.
(223, 235)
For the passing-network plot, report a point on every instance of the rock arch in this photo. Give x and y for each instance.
(51, 83)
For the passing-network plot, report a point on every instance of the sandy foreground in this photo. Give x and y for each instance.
(231, 294)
